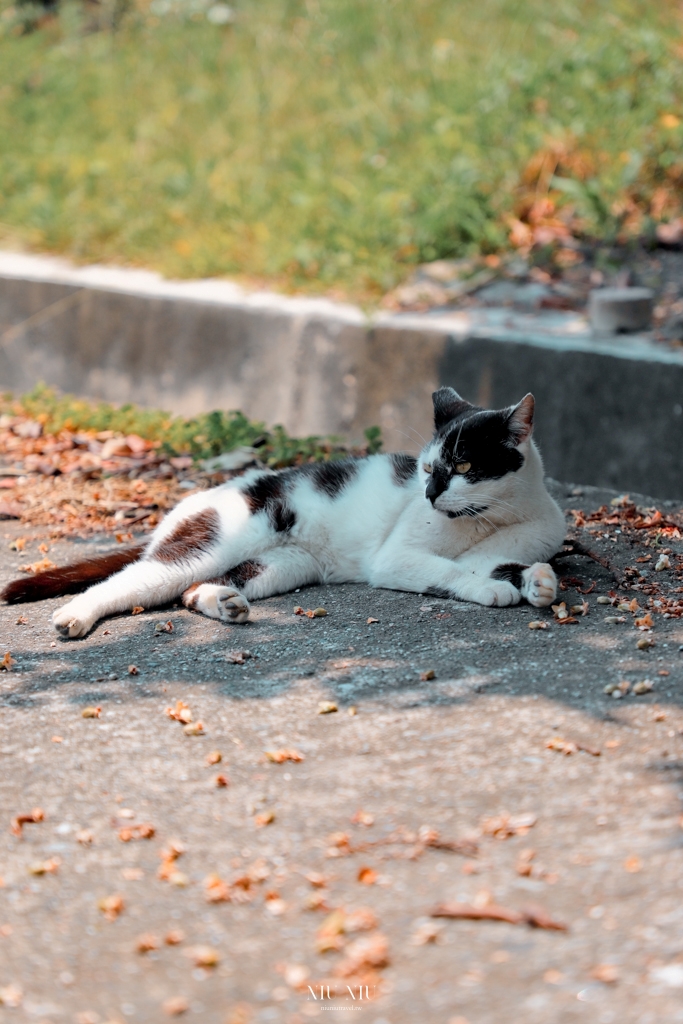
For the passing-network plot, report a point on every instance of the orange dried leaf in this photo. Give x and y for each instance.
(280, 756)
(137, 610)
(34, 817)
(146, 943)
(91, 712)
(111, 906)
(7, 662)
(216, 890)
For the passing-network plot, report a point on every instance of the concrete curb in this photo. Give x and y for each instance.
(610, 411)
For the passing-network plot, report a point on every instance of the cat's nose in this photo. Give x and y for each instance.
(434, 489)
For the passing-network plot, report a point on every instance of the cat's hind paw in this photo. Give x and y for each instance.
(217, 602)
(539, 585)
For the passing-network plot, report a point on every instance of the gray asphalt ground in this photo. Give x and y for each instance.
(447, 753)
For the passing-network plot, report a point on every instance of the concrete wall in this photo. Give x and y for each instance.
(610, 413)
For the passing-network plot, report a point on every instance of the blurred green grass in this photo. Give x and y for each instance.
(332, 144)
(202, 437)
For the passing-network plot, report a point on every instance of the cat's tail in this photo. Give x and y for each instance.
(70, 579)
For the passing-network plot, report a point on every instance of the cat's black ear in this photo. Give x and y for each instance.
(521, 420)
(447, 405)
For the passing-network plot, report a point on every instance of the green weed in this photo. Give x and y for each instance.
(202, 437)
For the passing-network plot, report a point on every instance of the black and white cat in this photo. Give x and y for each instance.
(470, 519)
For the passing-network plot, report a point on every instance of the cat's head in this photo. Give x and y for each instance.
(473, 452)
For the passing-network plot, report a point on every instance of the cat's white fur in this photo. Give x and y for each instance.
(375, 530)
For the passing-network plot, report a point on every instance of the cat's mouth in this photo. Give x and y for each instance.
(468, 510)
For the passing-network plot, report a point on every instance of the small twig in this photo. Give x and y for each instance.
(533, 916)
(575, 547)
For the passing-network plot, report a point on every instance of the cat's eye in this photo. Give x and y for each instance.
(463, 467)
(427, 466)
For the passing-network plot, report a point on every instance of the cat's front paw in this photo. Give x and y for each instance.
(539, 585)
(71, 622)
(494, 593)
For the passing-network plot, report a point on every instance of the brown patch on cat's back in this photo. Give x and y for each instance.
(193, 536)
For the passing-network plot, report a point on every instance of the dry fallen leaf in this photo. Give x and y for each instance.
(57, 739)
(11, 996)
(427, 675)
(111, 906)
(316, 879)
(137, 610)
(222, 781)
(371, 620)
(327, 707)
(142, 831)
(175, 1006)
(274, 903)
(368, 876)
(363, 818)
(34, 817)
(523, 866)
(180, 713)
(91, 712)
(214, 757)
(167, 869)
(22, 621)
(174, 937)
(633, 864)
(645, 621)
(296, 975)
(371, 951)
(132, 874)
(204, 956)
(216, 890)
(504, 826)
(84, 837)
(146, 943)
(133, 670)
(427, 932)
(265, 818)
(329, 934)
(538, 624)
(163, 627)
(238, 657)
(39, 566)
(45, 867)
(7, 662)
(280, 756)
(194, 729)
(608, 974)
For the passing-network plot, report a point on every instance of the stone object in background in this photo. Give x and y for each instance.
(620, 310)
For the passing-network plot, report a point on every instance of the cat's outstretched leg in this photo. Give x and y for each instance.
(277, 572)
(482, 574)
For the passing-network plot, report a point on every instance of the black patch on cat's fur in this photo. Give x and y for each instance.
(483, 439)
(267, 494)
(448, 405)
(403, 467)
(438, 592)
(510, 571)
(242, 573)
(332, 477)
